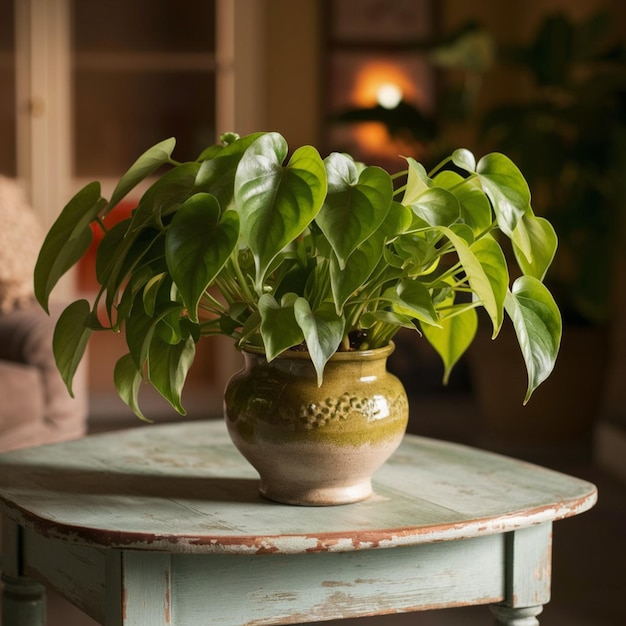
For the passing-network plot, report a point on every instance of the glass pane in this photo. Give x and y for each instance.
(142, 71)
(144, 25)
(120, 115)
(7, 90)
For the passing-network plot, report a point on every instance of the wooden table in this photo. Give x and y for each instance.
(163, 525)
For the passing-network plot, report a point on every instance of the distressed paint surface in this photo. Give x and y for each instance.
(184, 488)
(163, 525)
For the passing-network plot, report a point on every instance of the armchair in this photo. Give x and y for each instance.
(35, 406)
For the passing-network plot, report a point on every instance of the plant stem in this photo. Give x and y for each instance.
(439, 166)
(241, 279)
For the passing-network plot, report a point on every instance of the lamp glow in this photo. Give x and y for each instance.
(389, 96)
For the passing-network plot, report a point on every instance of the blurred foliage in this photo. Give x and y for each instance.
(565, 128)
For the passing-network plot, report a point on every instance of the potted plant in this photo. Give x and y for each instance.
(322, 260)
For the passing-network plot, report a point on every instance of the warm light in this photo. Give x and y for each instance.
(389, 96)
(380, 82)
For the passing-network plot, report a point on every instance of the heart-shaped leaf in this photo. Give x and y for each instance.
(476, 210)
(279, 328)
(411, 297)
(437, 207)
(452, 337)
(323, 330)
(538, 327)
(217, 173)
(276, 203)
(198, 243)
(355, 206)
(506, 188)
(464, 159)
(534, 244)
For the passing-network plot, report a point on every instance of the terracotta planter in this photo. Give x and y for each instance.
(316, 445)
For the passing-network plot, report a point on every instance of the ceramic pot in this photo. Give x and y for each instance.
(316, 445)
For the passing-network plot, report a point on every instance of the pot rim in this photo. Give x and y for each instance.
(348, 355)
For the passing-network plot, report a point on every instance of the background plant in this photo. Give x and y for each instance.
(565, 128)
(281, 252)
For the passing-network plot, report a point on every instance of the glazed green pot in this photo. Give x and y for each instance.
(316, 445)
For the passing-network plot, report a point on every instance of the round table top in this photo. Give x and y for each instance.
(183, 487)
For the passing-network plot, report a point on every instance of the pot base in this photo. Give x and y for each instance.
(316, 495)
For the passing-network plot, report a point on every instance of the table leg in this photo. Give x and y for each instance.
(528, 576)
(138, 589)
(23, 602)
(23, 599)
(508, 616)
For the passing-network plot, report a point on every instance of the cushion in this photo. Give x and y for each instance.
(21, 237)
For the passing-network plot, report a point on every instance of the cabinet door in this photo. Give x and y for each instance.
(8, 165)
(142, 71)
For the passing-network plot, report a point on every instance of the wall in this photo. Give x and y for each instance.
(293, 69)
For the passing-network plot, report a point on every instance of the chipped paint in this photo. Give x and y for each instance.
(348, 541)
(168, 599)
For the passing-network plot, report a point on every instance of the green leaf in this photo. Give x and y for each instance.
(356, 204)
(323, 330)
(452, 338)
(493, 262)
(70, 338)
(417, 181)
(141, 327)
(276, 203)
(418, 252)
(168, 366)
(108, 252)
(151, 292)
(126, 257)
(464, 159)
(506, 188)
(128, 379)
(279, 328)
(217, 174)
(197, 245)
(411, 297)
(67, 241)
(359, 267)
(534, 244)
(389, 318)
(485, 268)
(475, 207)
(436, 207)
(397, 222)
(538, 327)
(146, 164)
(165, 196)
